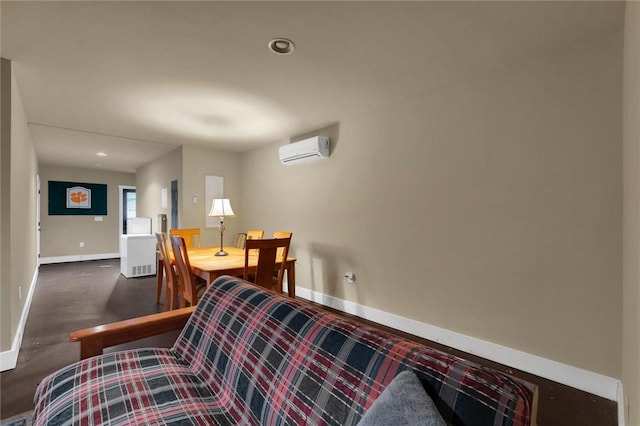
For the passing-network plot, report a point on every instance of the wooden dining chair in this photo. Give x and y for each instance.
(238, 242)
(251, 234)
(282, 234)
(159, 268)
(266, 272)
(167, 269)
(191, 236)
(255, 234)
(281, 255)
(191, 288)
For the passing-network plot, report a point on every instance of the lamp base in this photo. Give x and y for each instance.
(222, 253)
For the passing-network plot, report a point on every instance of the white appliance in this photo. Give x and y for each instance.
(139, 225)
(137, 255)
(138, 249)
(314, 148)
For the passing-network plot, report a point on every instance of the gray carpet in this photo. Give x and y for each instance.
(23, 419)
(71, 296)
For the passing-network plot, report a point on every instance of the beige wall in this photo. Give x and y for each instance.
(5, 191)
(189, 165)
(490, 207)
(631, 259)
(61, 235)
(150, 179)
(197, 163)
(5, 161)
(6, 336)
(18, 194)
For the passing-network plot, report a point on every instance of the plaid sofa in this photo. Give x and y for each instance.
(252, 357)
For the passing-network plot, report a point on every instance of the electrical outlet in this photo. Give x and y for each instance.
(81, 243)
(351, 277)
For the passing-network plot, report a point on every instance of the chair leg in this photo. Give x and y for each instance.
(168, 299)
(175, 294)
(159, 274)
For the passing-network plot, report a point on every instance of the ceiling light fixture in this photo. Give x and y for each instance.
(101, 154)
(281, 46)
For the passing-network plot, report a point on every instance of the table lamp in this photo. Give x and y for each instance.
(221, 207)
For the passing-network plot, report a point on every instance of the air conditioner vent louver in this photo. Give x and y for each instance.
(299, 157)
(314, 148)
(140, 270)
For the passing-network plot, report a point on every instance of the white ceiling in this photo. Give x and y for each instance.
(137, 79)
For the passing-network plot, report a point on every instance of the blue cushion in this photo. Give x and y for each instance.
(403, 402)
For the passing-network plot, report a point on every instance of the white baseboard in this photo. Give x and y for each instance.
(588, 381)
(78, 258)
(9, 359)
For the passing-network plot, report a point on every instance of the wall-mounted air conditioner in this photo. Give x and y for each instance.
(314, 148)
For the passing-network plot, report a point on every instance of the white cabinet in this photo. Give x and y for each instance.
(137, 255)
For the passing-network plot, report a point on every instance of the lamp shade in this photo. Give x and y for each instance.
(221, 207)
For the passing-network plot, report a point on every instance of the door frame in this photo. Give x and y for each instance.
(38, 214)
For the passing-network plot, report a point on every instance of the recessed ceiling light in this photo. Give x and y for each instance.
(101, 154)
(281, 46)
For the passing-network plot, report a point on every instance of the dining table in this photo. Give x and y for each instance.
(206, 265)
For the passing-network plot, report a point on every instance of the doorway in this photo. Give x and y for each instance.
(127, 210)
(128, 207)
(174, 204)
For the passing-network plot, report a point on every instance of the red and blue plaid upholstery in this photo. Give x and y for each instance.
(250, 357)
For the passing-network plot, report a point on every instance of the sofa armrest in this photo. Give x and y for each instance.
(534, 405)
(93, 340)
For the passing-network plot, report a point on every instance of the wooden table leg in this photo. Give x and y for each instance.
(291, 279)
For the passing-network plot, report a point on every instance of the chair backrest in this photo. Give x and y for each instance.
(162, 250)
(251, 234)
(266, 272)
(255, 234)
(169, 273)
(282, 234)
(241, 237)
(183, 269)
(191, 236)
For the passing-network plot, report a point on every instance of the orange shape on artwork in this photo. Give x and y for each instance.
(78, 197)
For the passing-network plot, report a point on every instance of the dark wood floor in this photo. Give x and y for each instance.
(71, 296)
